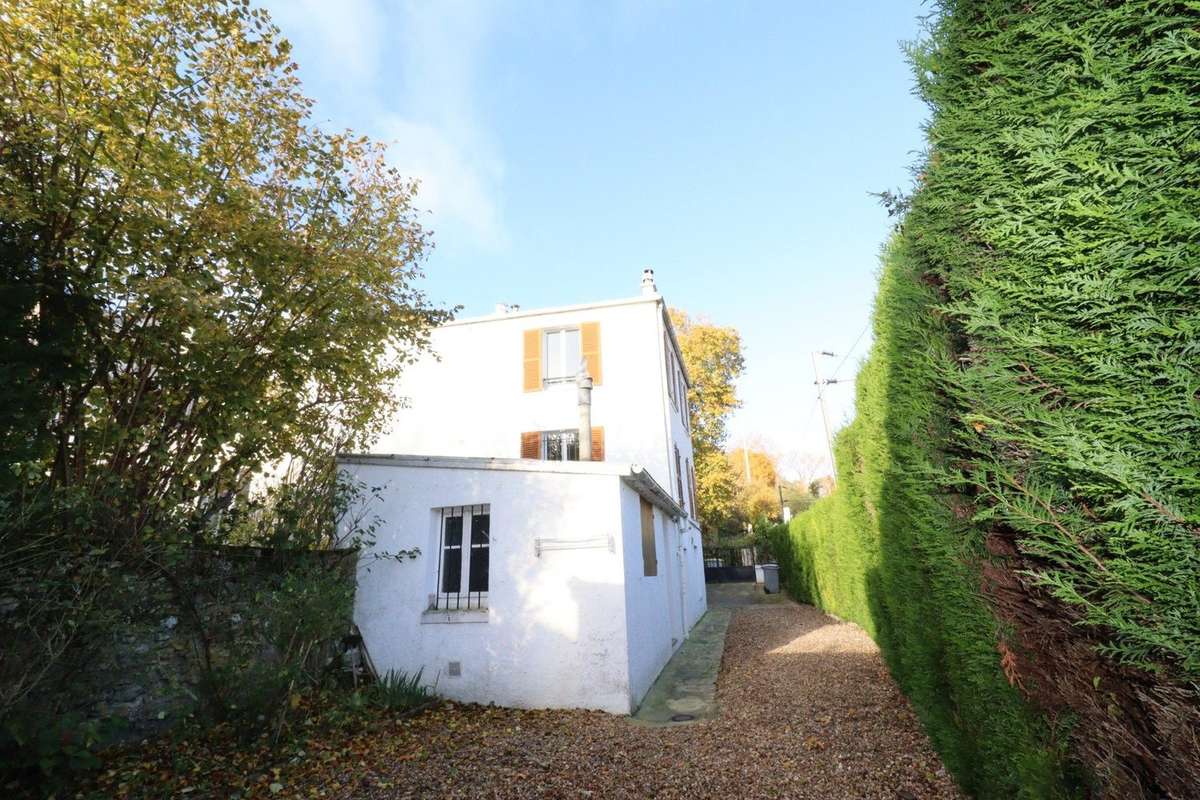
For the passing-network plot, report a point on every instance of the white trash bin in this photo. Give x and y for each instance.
(770, 578)
(758, 574)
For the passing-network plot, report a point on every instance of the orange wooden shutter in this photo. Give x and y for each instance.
(531, 445)
(589, 348)
(532, 374)
(597, 444)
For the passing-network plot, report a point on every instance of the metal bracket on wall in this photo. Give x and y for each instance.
(541, 545)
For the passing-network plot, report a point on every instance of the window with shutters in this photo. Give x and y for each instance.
(649, 553)
(464, 556)
(682, 390)
(560, 445)
(562, 355)
(670, 369)
(691, 477)
(679, 479)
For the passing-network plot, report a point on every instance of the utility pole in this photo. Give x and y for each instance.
(746, 462)
(824, 413)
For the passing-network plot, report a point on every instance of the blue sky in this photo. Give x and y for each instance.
(563, 146)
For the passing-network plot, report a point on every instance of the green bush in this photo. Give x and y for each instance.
(53, 751)
(1018, 505)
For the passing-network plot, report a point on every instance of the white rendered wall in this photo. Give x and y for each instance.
(696, 596)
(661, 610)
(471, 402)
(653, 631)
(555, 630)
(676, 430)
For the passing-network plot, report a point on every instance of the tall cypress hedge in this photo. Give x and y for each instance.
(1018, 514)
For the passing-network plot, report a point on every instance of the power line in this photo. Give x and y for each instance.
(812, 410)
(851, 350)
(824, 413)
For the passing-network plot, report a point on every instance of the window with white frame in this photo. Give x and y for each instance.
(672, 387)
(560, 445)
(562, 351)
(464, 534)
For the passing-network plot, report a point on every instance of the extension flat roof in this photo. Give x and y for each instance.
(634, 475)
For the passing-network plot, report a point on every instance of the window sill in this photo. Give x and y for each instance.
(441, 616)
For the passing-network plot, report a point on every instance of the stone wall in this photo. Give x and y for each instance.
(148, 674)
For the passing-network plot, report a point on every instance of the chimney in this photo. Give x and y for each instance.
(583, 383)
(648, 286)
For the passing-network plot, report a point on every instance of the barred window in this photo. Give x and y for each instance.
(560, 445)
(463, 557)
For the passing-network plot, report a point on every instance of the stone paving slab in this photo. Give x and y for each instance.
(686, 689)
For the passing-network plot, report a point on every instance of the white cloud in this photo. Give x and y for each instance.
(455, 185)
(347, 35)
(409, 72)
(437, 135)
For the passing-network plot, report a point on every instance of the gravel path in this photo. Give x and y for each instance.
(807, 711)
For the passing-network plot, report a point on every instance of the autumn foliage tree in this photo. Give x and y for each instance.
(195, 281)
(758, 484)
(713, 357)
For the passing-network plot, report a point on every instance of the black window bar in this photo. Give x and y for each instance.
(457, 545)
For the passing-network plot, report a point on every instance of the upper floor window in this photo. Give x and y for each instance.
(561, 363)
(683, 398)
(560, 445)
(552, 356)
(679, 479)
(671, 391)
(463, 557)
(691, 479)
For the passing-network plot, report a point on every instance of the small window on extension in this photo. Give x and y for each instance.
(649, 555)
(463, 557)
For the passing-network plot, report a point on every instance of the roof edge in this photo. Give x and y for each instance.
(633, 475)
(644, 484)
(484, 462)
(535, 312)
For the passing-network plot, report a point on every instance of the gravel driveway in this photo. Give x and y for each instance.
(807, 710)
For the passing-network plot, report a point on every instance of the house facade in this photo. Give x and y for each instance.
(542, 464)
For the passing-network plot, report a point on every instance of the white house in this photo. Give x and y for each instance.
(550, 575)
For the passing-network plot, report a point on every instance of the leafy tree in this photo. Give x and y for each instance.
(195, 281)
(758, 492)
(713, 357)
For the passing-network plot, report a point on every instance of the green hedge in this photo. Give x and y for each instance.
(1019, 495)
(886, 552)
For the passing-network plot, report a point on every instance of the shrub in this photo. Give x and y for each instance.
(53, 751)
(397, 691)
